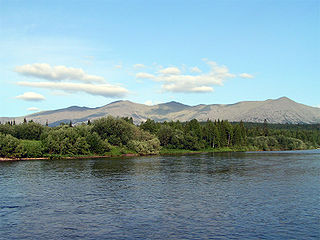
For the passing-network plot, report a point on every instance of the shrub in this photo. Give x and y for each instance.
(29, 148)
(30, 131)
(65, 141)
(118, 131)
(145, 147)
(8, 145)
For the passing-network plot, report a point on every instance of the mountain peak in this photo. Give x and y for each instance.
(174, 103)
(281, 110)
(284, 98)
(120, 102)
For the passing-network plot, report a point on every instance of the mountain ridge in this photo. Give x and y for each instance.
(280, 110)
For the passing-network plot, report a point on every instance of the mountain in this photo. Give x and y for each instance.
(281, 110)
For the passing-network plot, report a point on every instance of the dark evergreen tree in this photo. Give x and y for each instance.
(265, 128)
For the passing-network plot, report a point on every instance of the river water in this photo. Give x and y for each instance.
(258, 195)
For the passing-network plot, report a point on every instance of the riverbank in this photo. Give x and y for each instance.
(68, 157)
(119, 155)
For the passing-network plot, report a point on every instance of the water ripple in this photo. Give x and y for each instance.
(206, 196)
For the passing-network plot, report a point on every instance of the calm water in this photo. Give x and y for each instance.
(268, 195)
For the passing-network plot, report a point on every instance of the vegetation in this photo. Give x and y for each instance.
(105, 136)
(116, 136)
(195, 136)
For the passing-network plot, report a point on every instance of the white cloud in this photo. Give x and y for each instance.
(143, 75)
(170, 71)
(202, 89)
(139, 65)
(246, 75)
(119, 66)
(33, 109)
(195, 70)
(148, 102)
(56, 73)
(105, 90)
(31, 96)
(318, 106)
(174, 81)
(185, 87)
(59, 93)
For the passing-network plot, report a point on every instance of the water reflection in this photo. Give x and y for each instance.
(101, 168)
(203, 196)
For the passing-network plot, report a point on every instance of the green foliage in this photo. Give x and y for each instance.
(150, 126)
(268, 143)
(30, 131)
(8, 145)
(97, 145)
(65, 141)
(289, 143)
(193, 128)
(7, 129)
(118, 151)
(118, 131)
(77, 140)
(29, 149)
(151, 146)
(165, 135)
(175, 151)
(127, 119)
(118, 136)
(264, 143)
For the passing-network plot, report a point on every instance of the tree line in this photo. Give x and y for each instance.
(115, 136)
(194, 135)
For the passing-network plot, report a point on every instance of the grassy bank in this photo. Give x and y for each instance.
(165, 151)
(123, 152)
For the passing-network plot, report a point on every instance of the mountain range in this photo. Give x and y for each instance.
(281, 110)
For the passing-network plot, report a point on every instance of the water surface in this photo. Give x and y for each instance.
(259, 195)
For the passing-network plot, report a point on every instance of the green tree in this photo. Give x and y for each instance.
(150, 126)
(116, 131)
(165, 135)
(30, 131)
(8, 145)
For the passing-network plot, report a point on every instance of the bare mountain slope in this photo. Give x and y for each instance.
(282, 110)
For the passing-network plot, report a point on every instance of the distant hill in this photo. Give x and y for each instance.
(281, 110)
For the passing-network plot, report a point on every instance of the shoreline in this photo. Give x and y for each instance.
(174, 152)
(6, 159)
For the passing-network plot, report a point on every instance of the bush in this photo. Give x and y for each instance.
(264, 143)
(289, 143)
(65, 141)
(6, 129)
(29, 149)
(30, 131)
(165, 135)
(145, 147)
(117, 131)
(276, 143)
(8, 145)
(96, 144)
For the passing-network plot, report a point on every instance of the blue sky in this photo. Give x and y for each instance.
(56, 54)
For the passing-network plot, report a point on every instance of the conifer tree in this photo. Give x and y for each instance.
(265, 128)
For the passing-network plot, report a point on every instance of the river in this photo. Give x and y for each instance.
(253, 195)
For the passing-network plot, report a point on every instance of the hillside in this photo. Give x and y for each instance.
(281, 110)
